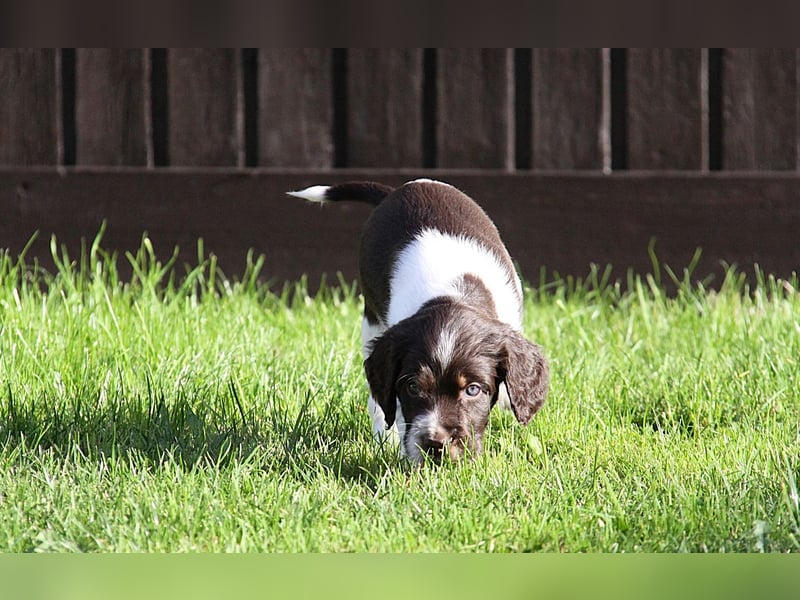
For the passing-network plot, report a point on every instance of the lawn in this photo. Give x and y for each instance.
(180, 410)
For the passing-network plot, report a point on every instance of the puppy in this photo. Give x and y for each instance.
(442, 318)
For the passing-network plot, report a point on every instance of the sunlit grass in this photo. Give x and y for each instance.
(182, 410)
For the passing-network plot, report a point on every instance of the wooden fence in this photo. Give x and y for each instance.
(580, 155)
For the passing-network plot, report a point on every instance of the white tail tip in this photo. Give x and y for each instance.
(315, 193)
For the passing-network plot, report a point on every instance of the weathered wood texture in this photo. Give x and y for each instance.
(29, 111)
(110, 107)
(474, 108)
(205, 107)
(295, 107)
(384, 107)
(396, 109)
(672, 109)
(561, 222)
(569, 116)
(760, 108)
(666, 122)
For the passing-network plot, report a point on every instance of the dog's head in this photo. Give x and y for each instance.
(444, 366)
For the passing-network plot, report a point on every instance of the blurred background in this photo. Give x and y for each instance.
(582, 156)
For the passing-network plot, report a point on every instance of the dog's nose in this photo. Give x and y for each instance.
(445, 442)
(433, 448)
(450, 434)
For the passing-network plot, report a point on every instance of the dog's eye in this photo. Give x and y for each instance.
(412, 389)
(473, 390)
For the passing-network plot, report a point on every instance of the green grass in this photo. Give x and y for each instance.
(180, 411)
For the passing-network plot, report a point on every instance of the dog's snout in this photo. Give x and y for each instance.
(445, 441)
(431, 445)
(449, 434)
(433, 448)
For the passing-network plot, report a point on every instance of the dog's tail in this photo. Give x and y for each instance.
(359, 191)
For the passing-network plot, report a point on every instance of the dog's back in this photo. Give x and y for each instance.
(419, 243)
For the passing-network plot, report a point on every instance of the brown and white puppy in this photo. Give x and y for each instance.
(442, 318)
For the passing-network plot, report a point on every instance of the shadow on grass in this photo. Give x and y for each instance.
(154, 428)
(192, 426)
(328, 435)
(197, 429)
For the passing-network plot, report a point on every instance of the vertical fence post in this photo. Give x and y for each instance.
(384, 107)
(110, 107)
(664, 109)
(29, 110)
(295, 107)
(475, 116)
(569, 112)
(205, 107)
(760, 108)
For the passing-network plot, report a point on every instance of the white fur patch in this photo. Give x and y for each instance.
(503, 401)
(432, 265)
(315, 193)
(393, 434)
(445, 345)
(423, 428)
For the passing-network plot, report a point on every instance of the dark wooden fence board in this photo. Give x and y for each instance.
(302, 100)
(760, 108)
(562, 222)
(474, 116)
(295, 107)
(205, 107)
(402, 108)
(569, 125)
(28, 107)
(384, 102)
(110, 100)
(666, 125)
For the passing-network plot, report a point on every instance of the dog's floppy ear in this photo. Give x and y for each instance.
(524, 369)
(382, 369)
